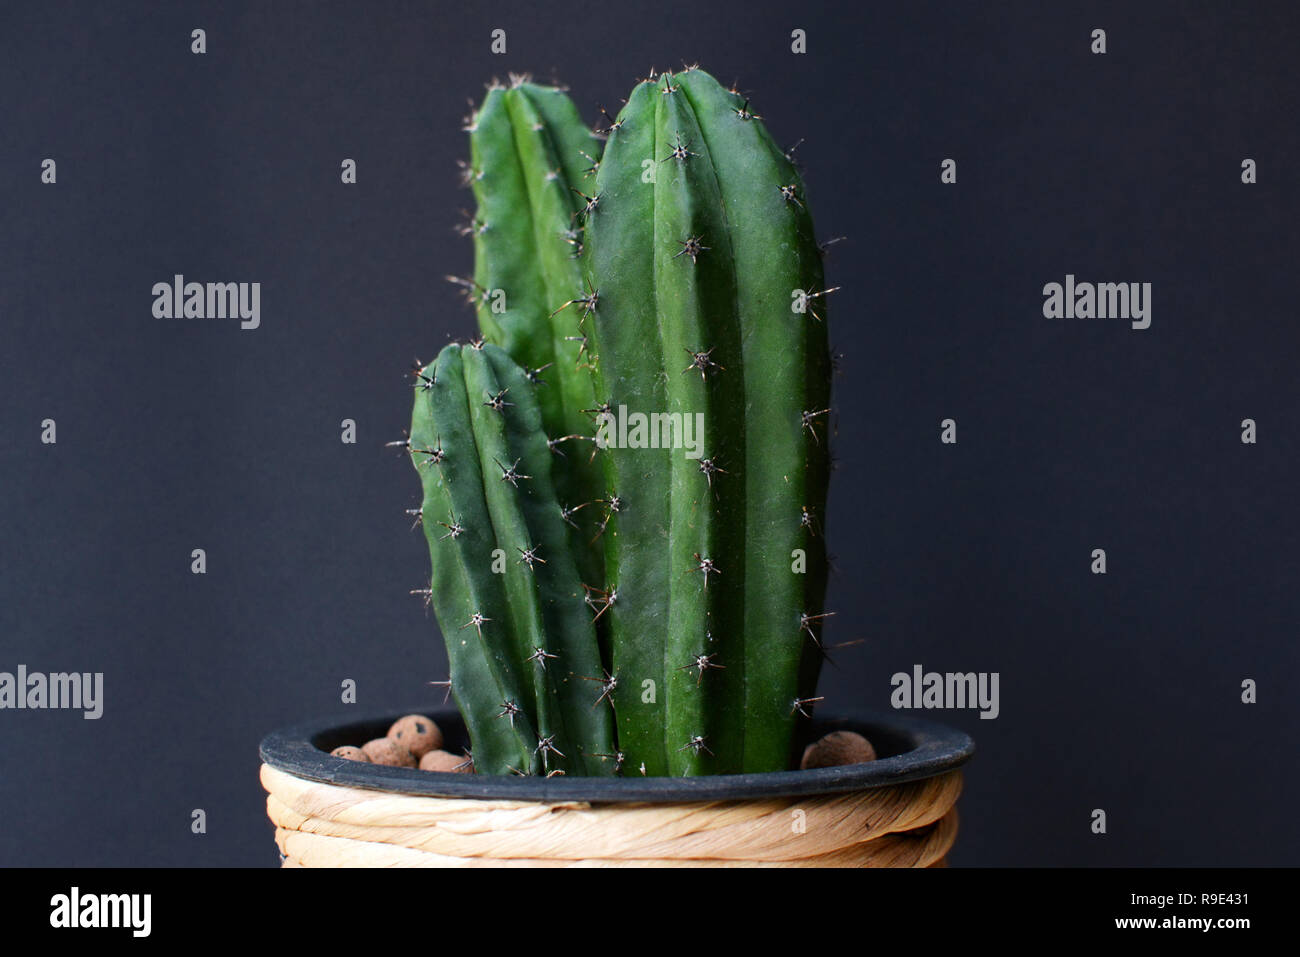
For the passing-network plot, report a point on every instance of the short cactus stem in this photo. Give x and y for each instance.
(493, 482)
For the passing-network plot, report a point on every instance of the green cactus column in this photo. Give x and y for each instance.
(701, 258)
(525, 663)
(532, 159)
(787, 368)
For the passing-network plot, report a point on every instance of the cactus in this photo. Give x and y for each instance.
(505, 587)
(698, 297)
(531, 161)
(707, 283)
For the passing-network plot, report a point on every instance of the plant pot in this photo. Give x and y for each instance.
(896, 811)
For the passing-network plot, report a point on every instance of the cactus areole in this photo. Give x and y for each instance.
(624, 479)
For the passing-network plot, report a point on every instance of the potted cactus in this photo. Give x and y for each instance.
(624, 479)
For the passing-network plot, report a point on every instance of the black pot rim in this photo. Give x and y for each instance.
(911, 749)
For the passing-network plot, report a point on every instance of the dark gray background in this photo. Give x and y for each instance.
(1118, 691)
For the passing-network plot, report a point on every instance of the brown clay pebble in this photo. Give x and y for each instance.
(351, 753)
(388, 752)
(446, 761)
(838, 747)
(417, 734)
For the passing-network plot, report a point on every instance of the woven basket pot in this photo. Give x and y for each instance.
(897, 811)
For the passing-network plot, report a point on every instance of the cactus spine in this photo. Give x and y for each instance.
(698, 297)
